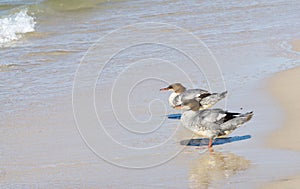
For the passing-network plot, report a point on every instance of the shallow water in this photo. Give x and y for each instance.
(248, 40)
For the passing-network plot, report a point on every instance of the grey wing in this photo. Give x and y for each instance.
(211, 128)
(193, 93)
(212, 115)
(199, 91)
(235, 120)
(212, 99)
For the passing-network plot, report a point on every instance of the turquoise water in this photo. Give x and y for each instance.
(42, 42)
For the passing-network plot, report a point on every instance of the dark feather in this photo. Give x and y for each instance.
(229, 116)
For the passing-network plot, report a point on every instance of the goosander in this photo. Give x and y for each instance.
(211, 123)
(180, 93)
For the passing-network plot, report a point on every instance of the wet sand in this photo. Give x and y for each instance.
(285, 88)
(46, 151)
(42, 148)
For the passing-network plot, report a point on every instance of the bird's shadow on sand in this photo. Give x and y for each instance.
(217, 141)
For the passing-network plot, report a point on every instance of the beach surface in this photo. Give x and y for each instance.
(80, 99)
(284, 86)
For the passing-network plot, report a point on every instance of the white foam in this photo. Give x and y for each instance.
(13, 26)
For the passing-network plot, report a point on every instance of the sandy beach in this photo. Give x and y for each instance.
(35, 147)
(80, 99)
(284, 87)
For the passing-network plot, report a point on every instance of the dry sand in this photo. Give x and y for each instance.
(296, 45)
(285, 87)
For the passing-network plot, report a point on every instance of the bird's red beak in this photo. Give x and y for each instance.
(164, 89)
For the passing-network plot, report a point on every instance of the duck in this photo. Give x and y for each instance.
(204, 98)
(211, 123)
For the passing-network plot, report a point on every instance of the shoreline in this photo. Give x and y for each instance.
(282, 87)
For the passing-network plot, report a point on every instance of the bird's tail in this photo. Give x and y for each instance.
(212, 99)
(236, 121)
(248, 115)
(219, 96)
(223, 94)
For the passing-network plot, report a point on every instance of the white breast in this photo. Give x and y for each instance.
(171, 99)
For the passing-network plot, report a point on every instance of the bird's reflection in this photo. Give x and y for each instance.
(214, 167)
(217, 141)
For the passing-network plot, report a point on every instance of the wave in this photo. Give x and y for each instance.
(14, 26)
(19, 18)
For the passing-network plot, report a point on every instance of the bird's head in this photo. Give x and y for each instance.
(190, 104)
(176, 87)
